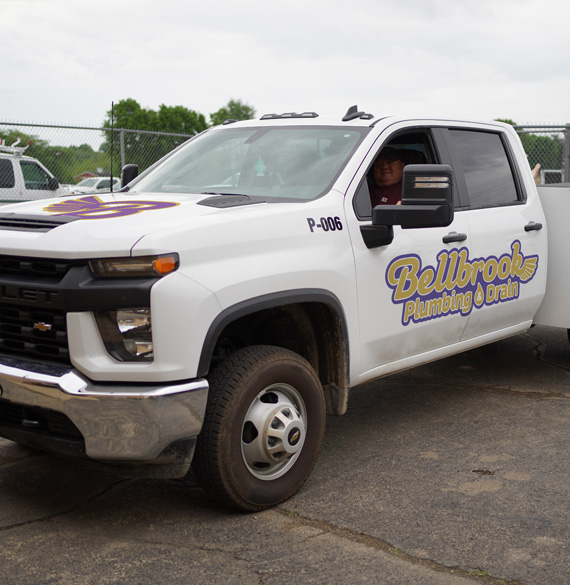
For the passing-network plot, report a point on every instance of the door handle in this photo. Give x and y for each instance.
(532, 227)
(454, 237)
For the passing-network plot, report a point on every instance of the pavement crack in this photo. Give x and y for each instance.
(48, 517)
(539, 350)
(26, 523)
(377, 544)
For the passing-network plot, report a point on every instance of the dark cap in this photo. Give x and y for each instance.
(391, 153)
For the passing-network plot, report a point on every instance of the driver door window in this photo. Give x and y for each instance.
(414, 148)
(34, 176)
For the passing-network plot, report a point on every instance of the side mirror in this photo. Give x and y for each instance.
(129, 173)
(53, 184)
(427, 199)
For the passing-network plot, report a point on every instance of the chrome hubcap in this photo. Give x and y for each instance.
(274, 431)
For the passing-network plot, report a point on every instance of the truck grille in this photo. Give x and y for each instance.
(32, 312)
(33, 267)
(36, 333)
(36, 294)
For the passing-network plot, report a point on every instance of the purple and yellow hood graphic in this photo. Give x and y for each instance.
(92, 207)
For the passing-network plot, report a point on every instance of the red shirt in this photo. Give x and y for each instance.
(389, 195)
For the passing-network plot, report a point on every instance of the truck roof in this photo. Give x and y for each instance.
(353, 117)
(15, 155)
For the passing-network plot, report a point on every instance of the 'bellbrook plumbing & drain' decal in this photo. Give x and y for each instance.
(457, 284)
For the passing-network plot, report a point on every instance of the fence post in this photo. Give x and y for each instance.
(566, 155)
(122, 140)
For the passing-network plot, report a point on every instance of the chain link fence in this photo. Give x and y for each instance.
(73, 153)
(548, 146)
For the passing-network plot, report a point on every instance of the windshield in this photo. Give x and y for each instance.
(280, 163)
(87, 182)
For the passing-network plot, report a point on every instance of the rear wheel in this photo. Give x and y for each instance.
(263, 428)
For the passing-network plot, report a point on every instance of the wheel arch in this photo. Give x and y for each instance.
(310, 322)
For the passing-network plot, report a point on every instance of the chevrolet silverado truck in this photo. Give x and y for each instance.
(218, 306)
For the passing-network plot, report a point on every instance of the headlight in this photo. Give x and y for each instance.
(127, 334)
(137, 267)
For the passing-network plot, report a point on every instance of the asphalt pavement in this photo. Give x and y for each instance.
(453, 473)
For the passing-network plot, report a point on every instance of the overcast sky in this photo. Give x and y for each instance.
(65, 61)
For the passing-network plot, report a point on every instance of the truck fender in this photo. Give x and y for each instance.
(335, 386)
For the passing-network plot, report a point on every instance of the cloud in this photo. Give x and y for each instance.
(65, 61)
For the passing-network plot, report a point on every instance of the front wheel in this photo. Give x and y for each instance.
(263, 428)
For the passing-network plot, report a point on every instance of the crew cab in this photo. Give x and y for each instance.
(221, 303)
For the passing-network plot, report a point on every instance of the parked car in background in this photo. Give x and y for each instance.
(23, 178)
(94, 184)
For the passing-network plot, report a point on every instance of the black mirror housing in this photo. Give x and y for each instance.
(129, 173)
(427, 199)
(427, 185)
(375, 236)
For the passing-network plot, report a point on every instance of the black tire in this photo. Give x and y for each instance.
(263, 428)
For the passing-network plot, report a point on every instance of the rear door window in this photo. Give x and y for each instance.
(486, 167)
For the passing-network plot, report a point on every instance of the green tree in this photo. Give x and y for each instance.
(129, 114)
(179, 120)
(144, 149)
(506, 121)
(78, 159)
(233, 110)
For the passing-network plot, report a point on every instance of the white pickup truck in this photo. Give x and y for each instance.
(214, 309)
(23, 178)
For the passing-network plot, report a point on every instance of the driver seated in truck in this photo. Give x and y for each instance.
(386, 188)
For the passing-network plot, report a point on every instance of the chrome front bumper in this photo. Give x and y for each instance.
(122, 423)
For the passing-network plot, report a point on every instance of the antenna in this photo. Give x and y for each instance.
(112, 141)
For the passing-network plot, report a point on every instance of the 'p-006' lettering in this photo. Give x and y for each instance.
(327, 224)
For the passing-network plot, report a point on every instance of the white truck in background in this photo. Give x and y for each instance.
(214, 309)
(23, 178)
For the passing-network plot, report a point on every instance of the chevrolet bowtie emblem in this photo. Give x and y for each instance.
(43, 326)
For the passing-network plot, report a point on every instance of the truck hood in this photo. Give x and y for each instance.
(87, 226)
(82, 226)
